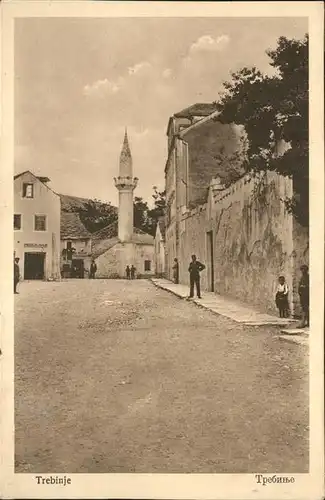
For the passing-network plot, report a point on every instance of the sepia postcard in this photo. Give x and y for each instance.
(162, 265)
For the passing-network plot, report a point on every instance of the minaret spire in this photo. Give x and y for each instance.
(126, 158)
(125, 183)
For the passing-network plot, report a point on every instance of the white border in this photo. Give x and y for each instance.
(187, 486)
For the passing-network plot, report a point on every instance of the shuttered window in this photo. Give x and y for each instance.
(40, 223)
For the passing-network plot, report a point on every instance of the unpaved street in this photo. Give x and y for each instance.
(118, 376)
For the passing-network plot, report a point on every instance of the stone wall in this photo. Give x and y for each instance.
(254, 241)
(113, 262)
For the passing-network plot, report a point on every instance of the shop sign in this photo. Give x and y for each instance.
(35, 245)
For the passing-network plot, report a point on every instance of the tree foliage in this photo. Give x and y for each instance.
(273, 109)
(146, 218)
(96, 215)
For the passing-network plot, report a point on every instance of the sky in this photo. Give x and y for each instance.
(79, 82)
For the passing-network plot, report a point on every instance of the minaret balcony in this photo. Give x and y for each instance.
(126, 183)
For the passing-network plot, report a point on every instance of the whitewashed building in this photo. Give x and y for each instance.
(36, 223)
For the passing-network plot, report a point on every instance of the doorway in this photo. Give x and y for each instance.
(210, 261)
(34, 266)
(77, 269)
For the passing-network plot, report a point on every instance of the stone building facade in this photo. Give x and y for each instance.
(235, 223)
(36, 227)
(198, 150)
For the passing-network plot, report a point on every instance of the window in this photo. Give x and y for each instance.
(28, 190)
(17, 222)
(40, 223)
(147, 265)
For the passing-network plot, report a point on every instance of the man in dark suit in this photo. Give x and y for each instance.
(194, 269)
(93, 269)
(16, 274)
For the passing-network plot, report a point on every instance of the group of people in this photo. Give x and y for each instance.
(282, 296)
(130, 272)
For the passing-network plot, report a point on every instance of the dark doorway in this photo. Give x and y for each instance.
(77, 268)
(34, 266)
(210, 261)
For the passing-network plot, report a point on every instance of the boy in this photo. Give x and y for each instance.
(281, 297)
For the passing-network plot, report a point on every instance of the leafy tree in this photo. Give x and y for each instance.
(141, 214)
(146, 218)
(159, 208)
(275, 108)
(96, 215)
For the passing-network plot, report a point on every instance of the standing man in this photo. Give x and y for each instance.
(132, 272)
(16, 274)
(93, 269)
(176, 271)
(194, 269)
(127, 271)
(303, 291)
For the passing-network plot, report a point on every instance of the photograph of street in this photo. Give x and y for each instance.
(161, 245)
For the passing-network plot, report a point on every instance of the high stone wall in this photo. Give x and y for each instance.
(253, 240)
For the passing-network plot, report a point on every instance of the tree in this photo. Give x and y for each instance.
(159, 198)
(141, 216)
(275, 108)
(96, 215)
(145, 218)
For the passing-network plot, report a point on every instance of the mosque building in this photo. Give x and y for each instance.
(121, 244)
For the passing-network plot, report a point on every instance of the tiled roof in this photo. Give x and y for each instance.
(102, 246)
(111, 231)
(198, 109)
(106, 238)
(142, 238)
(106, 232)
(69, 203)
(72, 227)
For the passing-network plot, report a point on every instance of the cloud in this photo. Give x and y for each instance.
(208, 43)
(103, 86)
(133, 70)
(166, 73)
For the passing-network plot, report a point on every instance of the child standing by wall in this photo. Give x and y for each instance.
(281, 297)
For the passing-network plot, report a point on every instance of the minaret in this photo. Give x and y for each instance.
(125, 183)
